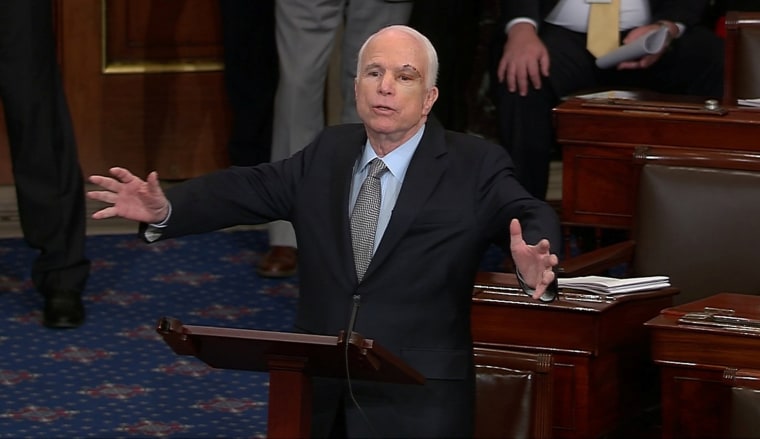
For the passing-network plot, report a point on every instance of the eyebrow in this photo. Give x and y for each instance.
(412, 68)
(404, 68)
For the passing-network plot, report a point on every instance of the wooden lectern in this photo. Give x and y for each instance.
(291, 359)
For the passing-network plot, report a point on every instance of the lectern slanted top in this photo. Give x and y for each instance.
(291, 360)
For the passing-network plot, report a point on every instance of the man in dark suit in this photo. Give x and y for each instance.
(306, 32)
(445, 198)
(46, 172)
(544, 58)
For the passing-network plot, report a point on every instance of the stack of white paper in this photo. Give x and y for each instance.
(612, 285)
(610, 95)
(749, 102)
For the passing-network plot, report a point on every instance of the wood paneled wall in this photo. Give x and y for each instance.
(144, 84)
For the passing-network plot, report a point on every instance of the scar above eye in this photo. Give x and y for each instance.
(411, 68)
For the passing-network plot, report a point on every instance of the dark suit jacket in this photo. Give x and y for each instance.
(458, 197)
(688, 12)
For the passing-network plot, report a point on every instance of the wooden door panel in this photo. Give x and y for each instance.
(162, 91)
(149, 35)
(144, 84)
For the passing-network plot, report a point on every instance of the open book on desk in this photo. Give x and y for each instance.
(611, 285)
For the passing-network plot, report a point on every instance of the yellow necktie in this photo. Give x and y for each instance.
(603, 34)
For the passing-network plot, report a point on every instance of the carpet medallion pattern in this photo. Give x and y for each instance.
(114, 376)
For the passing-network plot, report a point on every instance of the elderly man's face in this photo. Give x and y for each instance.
(391, 97)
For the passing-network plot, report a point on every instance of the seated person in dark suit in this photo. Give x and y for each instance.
(445, 197)
(545, 58)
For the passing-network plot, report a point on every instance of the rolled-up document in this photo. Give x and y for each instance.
(647, 44)
(749, 102)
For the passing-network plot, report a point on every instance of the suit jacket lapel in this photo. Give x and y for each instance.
(421, 178)
(342, 172)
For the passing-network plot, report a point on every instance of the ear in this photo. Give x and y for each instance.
(430, 98)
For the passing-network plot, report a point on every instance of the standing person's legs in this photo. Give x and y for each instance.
(305, 34)
(250, 77)
(363, 18)
(48, 179)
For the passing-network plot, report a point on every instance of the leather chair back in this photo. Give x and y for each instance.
(742, 56)
(514, 394)
(747, 68)
(700, 226)
(744, 410)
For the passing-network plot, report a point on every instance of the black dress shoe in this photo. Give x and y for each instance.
(63, 309)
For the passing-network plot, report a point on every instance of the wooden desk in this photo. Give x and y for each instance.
(603, 377)
(600, 138)
(698, 363)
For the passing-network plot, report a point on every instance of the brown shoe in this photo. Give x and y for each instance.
(279, 261)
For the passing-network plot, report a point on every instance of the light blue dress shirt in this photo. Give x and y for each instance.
(397, 162)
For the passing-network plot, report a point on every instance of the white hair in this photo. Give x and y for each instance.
(431, 76)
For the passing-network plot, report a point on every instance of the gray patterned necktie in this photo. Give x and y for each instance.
(364, 217)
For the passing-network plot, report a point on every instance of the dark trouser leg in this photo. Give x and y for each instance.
(48, 179)
(525, 129)
(452, 27)
(250, 76)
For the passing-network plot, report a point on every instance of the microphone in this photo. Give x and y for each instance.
(352, 321)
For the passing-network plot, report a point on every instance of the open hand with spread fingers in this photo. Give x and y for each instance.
(130, 197)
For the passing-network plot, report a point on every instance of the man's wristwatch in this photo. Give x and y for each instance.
(549, 295)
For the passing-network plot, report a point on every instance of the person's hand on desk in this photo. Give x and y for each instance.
(130, 197)
(534, 263)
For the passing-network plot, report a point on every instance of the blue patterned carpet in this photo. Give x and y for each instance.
(114, 376)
